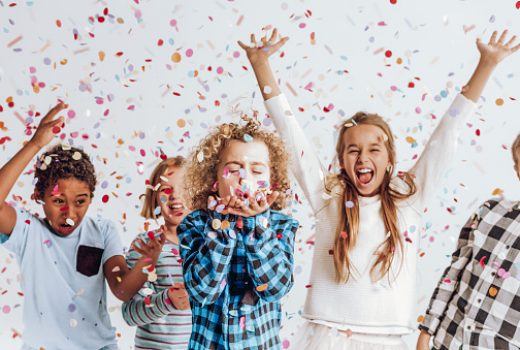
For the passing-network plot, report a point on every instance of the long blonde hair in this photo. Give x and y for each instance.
(349, 217)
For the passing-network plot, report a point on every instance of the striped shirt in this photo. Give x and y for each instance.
(159, 324)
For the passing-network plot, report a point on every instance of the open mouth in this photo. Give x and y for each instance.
(176, 209)
(364, 175)
(66, 228)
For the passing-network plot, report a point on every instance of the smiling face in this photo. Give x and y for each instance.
(171, 196)
(365, 157)
(65, 204)
(243, 167)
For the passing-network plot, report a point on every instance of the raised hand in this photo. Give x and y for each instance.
(49, 126)
(496, 50)
(256, 53)
(152, 249)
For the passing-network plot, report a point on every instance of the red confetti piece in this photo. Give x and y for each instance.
(517, 5)
(388, 53)
(151, 235)
(477, 132)
(105, 198)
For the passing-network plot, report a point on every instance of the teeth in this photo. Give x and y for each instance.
(364, 171)
(176, 206)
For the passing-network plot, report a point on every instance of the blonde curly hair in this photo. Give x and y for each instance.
(201, 173)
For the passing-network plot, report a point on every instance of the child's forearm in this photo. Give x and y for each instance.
(12, 170)
(478, 80)
(266, 79)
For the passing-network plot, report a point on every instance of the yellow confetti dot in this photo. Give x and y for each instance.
(410, 139)
(497, 192)
(225, 225)
(261, 287)
(181, 123)
(176, 57)
(499, 101)
(101, 56)
(493, 292)
(216, 224)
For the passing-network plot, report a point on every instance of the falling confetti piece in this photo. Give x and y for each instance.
(262, 287)
(216, 224)
(70, 222)
(499, 101)
(76, 155)
(493, 292)
(176, 57)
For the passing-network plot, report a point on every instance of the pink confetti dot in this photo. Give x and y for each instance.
(236, 54)
(285, 344)
(220, 70)
(173, 23)
(417, 110)
(302, 25)
(71, 113)
(32, 70)
(6, 309)
(189, 53)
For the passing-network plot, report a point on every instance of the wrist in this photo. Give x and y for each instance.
(487, 62)
(33, 144)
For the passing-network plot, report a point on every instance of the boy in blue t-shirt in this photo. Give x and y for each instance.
(66, 257)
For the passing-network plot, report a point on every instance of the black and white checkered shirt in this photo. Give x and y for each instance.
(476, 304)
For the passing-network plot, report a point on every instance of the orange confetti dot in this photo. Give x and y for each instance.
(420, 318)
(499, 102)
(176, 57)
(493, 292)
(261, 287)
(58, 23)
(399, 60)
(64, 61)
(181, 123)
(101, 56)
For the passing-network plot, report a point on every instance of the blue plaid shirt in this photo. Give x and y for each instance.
(236, 270)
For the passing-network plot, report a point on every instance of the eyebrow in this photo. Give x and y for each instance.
(240, 164)
(370, 145)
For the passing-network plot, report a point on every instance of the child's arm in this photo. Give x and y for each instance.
(270, 253)
(304, 162)
(450, 279)
(438, 155)
(124, 282)
(12, 170)
(145, 308)
(206, 255)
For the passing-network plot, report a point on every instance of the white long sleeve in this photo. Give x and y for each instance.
(361, 305)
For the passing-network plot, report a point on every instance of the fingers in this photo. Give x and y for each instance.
(253, 40)
(279, 44)
(264, 41)
(511, 41)
(274, 35)
(515, 48)
(502, 37)
(493, 38)
(53, 111)
(242, 45)
(271, 198)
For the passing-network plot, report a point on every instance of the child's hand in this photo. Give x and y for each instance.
(496, 50)
(237, 206)
(179, 297)
(150, 250)
(261, 54)
(48, 126)
(423, 342)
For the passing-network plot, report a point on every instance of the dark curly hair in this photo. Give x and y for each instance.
(63, 162)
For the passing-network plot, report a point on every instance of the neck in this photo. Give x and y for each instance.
(170, 232)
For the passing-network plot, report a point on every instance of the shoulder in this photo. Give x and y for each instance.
(280, 219)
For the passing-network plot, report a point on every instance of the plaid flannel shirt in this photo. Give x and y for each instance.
(476, 304)
(236, 276)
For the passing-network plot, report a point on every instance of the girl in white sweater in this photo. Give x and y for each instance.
(363, 273)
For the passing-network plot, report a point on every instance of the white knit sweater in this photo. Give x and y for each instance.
(360, 304)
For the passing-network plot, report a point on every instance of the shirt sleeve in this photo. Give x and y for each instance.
(145, 308)
(206, 255)
(113, 245)
(17, 241)
(304, 162)
(269, 253)
(447, 286)
(439, 153)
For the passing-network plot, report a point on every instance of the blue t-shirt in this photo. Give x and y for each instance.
(63, 282)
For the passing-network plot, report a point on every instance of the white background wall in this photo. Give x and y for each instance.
(125, 104)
